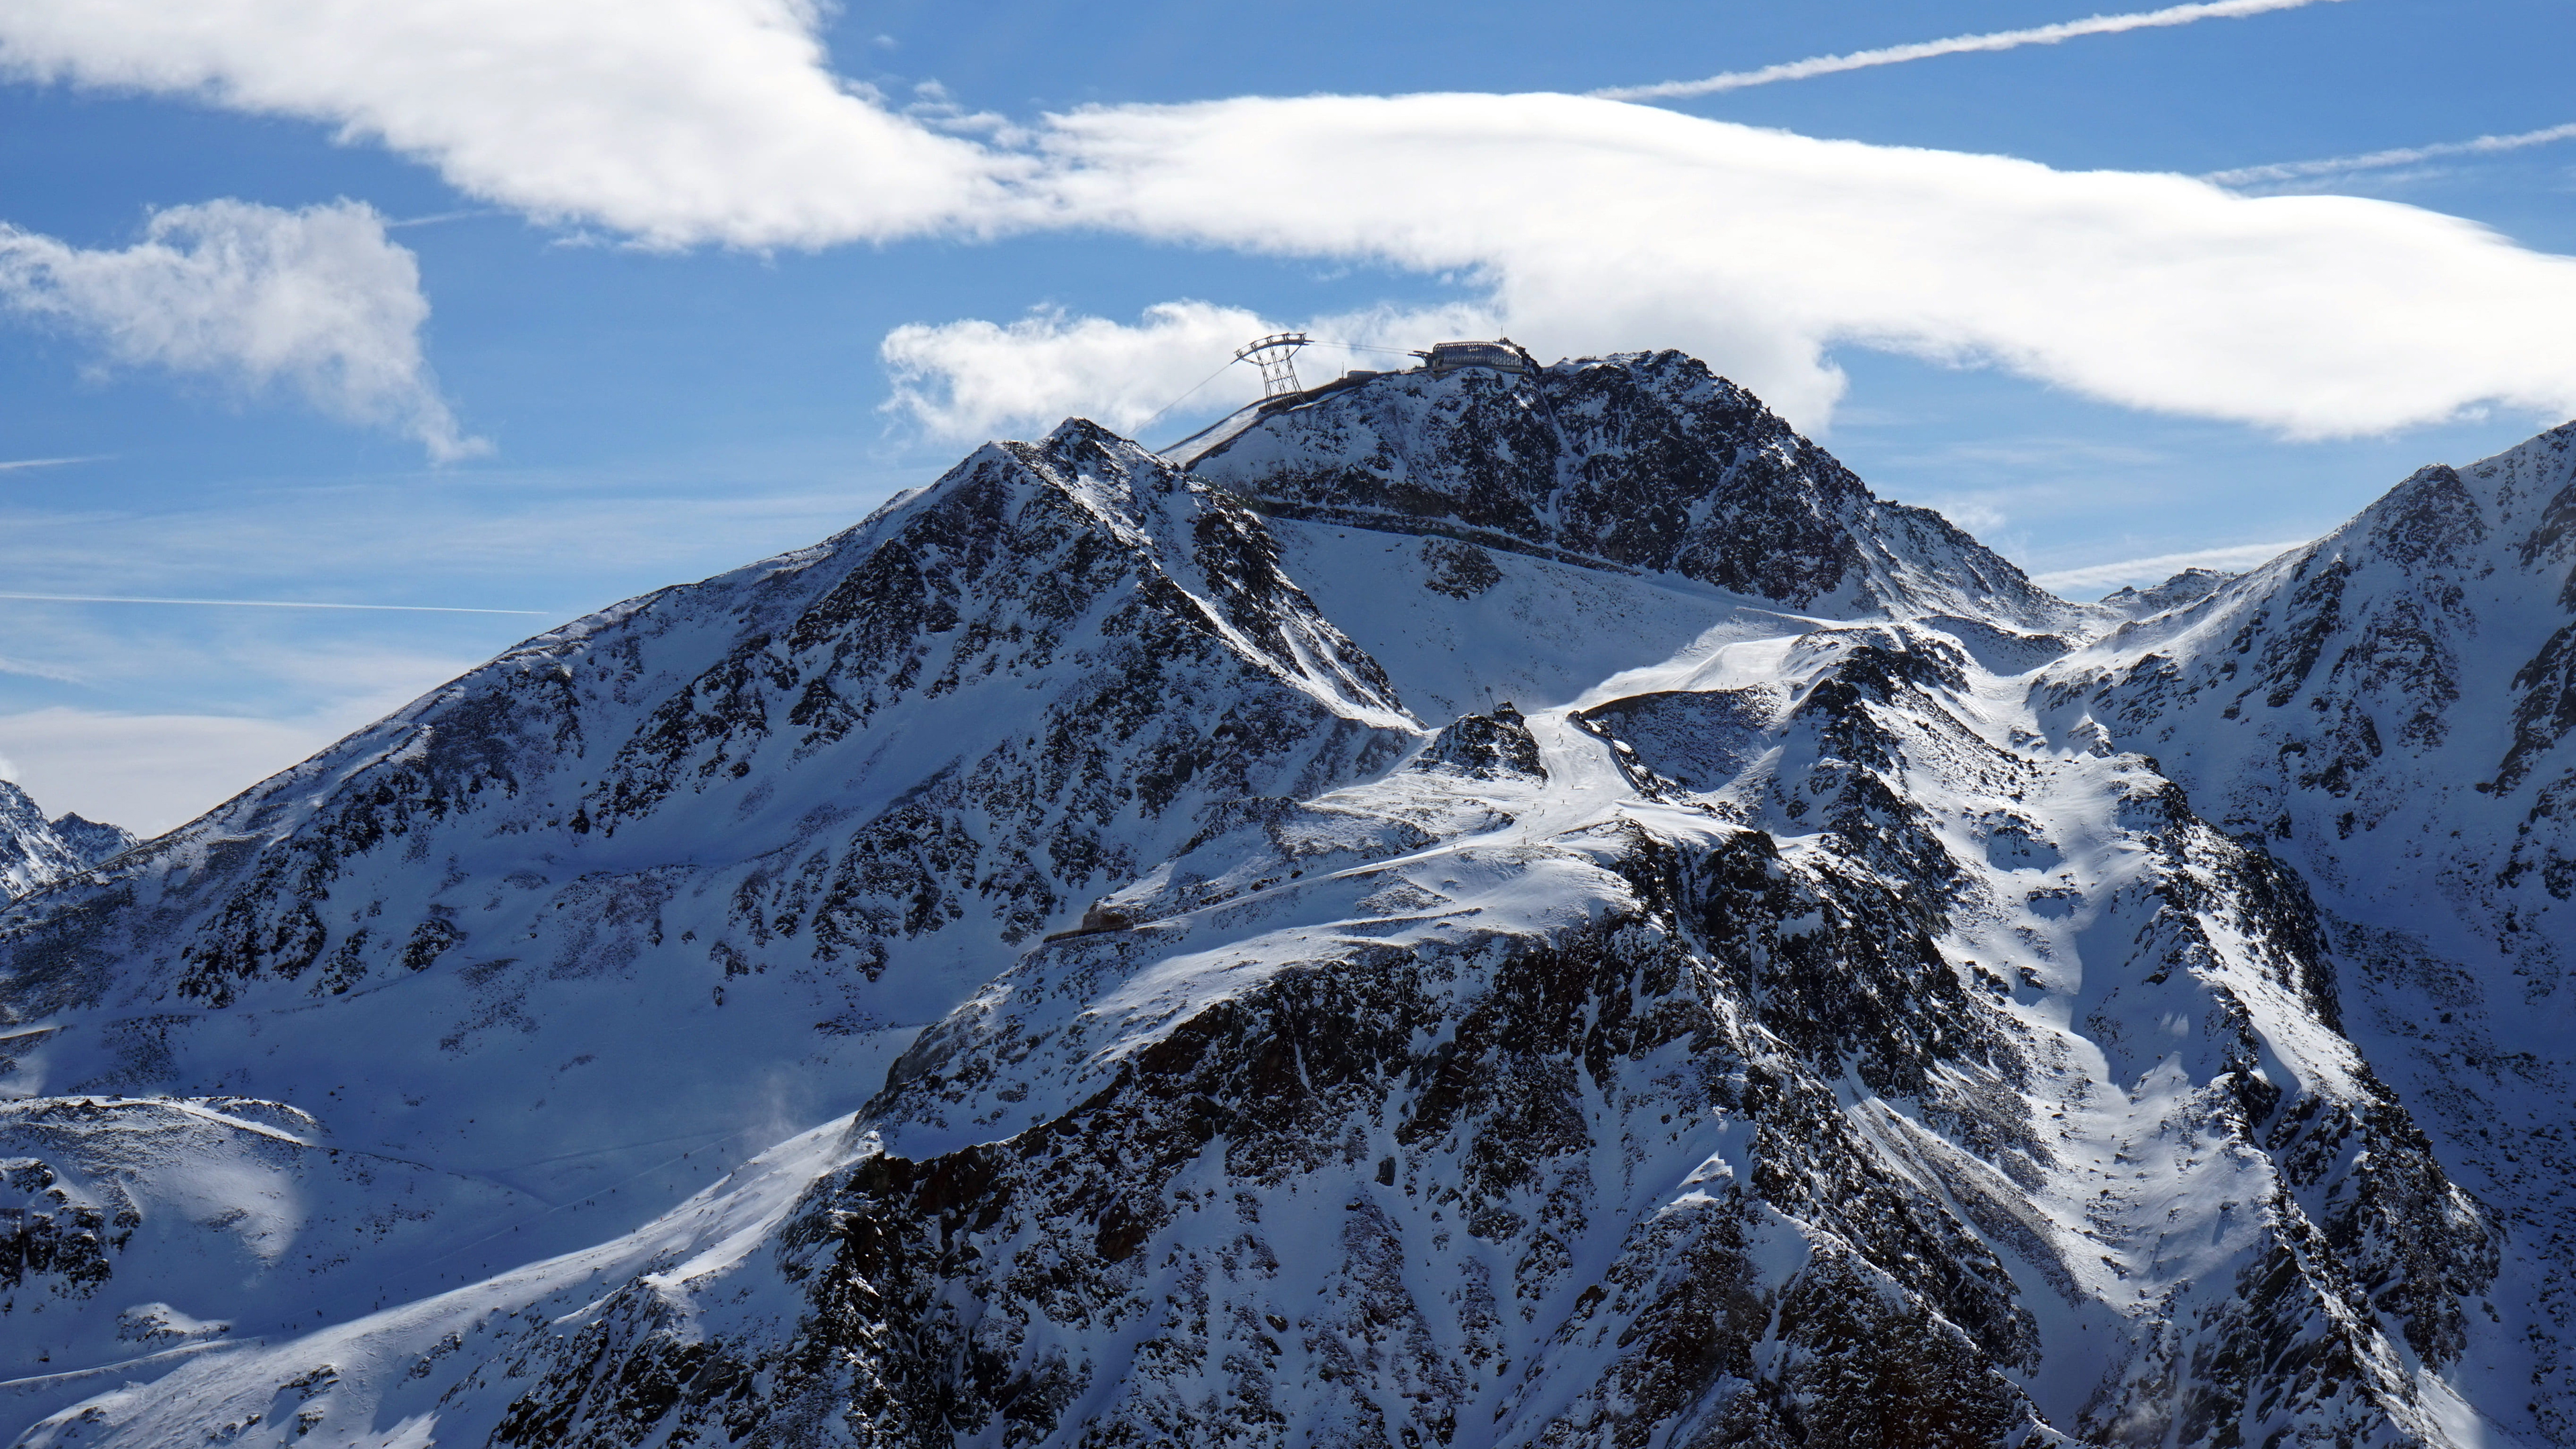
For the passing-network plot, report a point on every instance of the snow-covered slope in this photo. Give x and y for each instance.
(36, 852)
(2393, 710)
(650, 892)
(1583, 984)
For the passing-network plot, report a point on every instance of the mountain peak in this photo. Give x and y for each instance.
(2180, 591)
(1641, 462)
(36, 852)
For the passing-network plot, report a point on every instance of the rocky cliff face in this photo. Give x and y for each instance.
(1583, 983)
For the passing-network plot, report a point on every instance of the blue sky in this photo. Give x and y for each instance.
(531, 306)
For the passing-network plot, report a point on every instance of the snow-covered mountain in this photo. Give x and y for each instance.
(1600, 931)
(587, 927)
(36, 852)
(2390, 710)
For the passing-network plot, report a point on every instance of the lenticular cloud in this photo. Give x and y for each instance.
(1590, 224)
(1602, 226)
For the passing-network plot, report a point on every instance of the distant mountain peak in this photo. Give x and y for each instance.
(36, 852)
(2180, 591)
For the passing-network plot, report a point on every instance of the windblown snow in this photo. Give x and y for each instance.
(1610, 934)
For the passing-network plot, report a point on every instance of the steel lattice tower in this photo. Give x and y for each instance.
(1276, 356)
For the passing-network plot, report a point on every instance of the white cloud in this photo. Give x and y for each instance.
(1592, 224)
(1604, 226)
(253, 295)
(972, 380)
(1979, 515)
(1992, 40)
(38, 669)
(2098, 578)
(677, 121)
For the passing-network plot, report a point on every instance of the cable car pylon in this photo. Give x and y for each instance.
(1276, 356)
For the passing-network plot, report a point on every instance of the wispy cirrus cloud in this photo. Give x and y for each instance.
(2057, 34)
(39, 669)
(251, 296)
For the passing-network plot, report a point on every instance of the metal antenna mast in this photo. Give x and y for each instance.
(1275, 355)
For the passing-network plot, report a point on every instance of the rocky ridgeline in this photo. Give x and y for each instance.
(1836, 1031)
(1646, 463)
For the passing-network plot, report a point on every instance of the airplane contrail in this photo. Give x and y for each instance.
(2402, 156)
(264, 604)
(1956, 45)
(16, 463)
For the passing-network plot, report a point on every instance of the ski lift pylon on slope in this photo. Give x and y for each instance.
(1275, 355)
